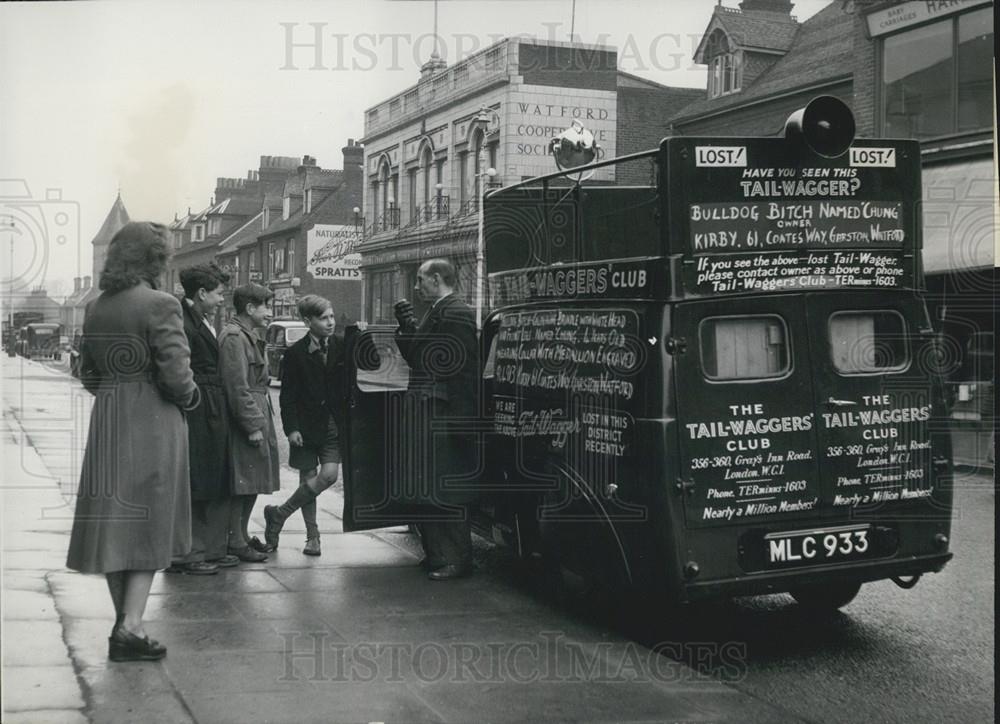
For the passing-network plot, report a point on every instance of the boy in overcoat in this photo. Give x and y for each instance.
(208, 426)
(253, 443)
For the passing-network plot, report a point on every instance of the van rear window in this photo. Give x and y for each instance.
(744, 348)
(867, 342)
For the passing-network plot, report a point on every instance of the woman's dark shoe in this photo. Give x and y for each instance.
(248, 555)
(126, 646)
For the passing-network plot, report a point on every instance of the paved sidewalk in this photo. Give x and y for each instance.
(358, 634)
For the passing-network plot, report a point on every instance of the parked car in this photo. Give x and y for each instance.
(280, 335)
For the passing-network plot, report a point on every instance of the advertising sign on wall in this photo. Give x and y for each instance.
(331, 254)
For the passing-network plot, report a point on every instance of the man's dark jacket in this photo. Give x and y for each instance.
(443, 355)
(208, 423)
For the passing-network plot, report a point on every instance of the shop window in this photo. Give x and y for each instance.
(744, 348)
(868, 342)
(937, 78)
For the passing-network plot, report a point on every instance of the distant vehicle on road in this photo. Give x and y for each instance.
(41, 341)
(280, 335)
(74, 355)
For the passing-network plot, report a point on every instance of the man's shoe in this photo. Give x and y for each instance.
(446, 573)
(174, 568)
(126, 646)
(273, 523)
(226, 561)
(201, 568)
(312, 547)
(248, 555)
(260, 546)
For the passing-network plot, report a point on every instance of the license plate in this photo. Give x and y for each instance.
(810, 547)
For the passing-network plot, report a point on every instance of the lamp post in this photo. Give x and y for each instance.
(357, 216)
(483, 175)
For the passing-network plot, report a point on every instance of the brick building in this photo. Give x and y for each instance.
(302, 238)
(427, 149)
(913, 69)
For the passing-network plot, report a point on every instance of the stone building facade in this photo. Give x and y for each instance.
(428, 149)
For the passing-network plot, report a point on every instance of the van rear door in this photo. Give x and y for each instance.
(378, 453)
(746, 412)
(872, 352)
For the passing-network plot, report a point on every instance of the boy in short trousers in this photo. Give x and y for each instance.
(312, 388)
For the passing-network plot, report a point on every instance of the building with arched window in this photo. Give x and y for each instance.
(429, 149)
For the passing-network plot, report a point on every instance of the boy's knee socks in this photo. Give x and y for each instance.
(302, 496)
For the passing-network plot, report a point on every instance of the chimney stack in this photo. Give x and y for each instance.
(76, 284)
(86, 282)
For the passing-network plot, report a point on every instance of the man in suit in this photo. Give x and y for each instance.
(208, 434)
(442, 351)
(313, 394)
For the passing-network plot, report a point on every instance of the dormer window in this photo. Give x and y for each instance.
(725, 69)
(286, 207)
(266, 218)
(309, 201)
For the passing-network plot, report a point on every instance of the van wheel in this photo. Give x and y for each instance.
(826, 597)
(559, 583)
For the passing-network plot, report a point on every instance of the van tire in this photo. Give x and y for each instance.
(826, 597)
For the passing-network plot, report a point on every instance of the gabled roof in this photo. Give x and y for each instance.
(293, 186)
(750, 30)
(180, 223)
(236, 239)
(323, 212)
(237, 206)
(201, 215)
(117, 218)
(325, 179)
(821, 52)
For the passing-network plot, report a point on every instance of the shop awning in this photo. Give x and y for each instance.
(960, 223)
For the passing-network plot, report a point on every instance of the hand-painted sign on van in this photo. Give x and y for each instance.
(770, 219)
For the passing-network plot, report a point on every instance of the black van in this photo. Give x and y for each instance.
(724, 383)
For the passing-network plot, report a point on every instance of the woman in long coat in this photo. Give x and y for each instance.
(253, 443)
(133, 509)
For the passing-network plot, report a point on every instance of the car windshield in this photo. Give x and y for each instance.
(294, 334)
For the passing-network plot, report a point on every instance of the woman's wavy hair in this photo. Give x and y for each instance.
(138, 252)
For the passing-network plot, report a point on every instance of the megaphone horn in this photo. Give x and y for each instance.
(826, 125)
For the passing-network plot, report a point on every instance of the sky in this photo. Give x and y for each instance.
(157, 99)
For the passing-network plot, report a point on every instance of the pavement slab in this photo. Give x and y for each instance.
(34, 643)
(46, 716)
(27, 688)
(323, 703)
